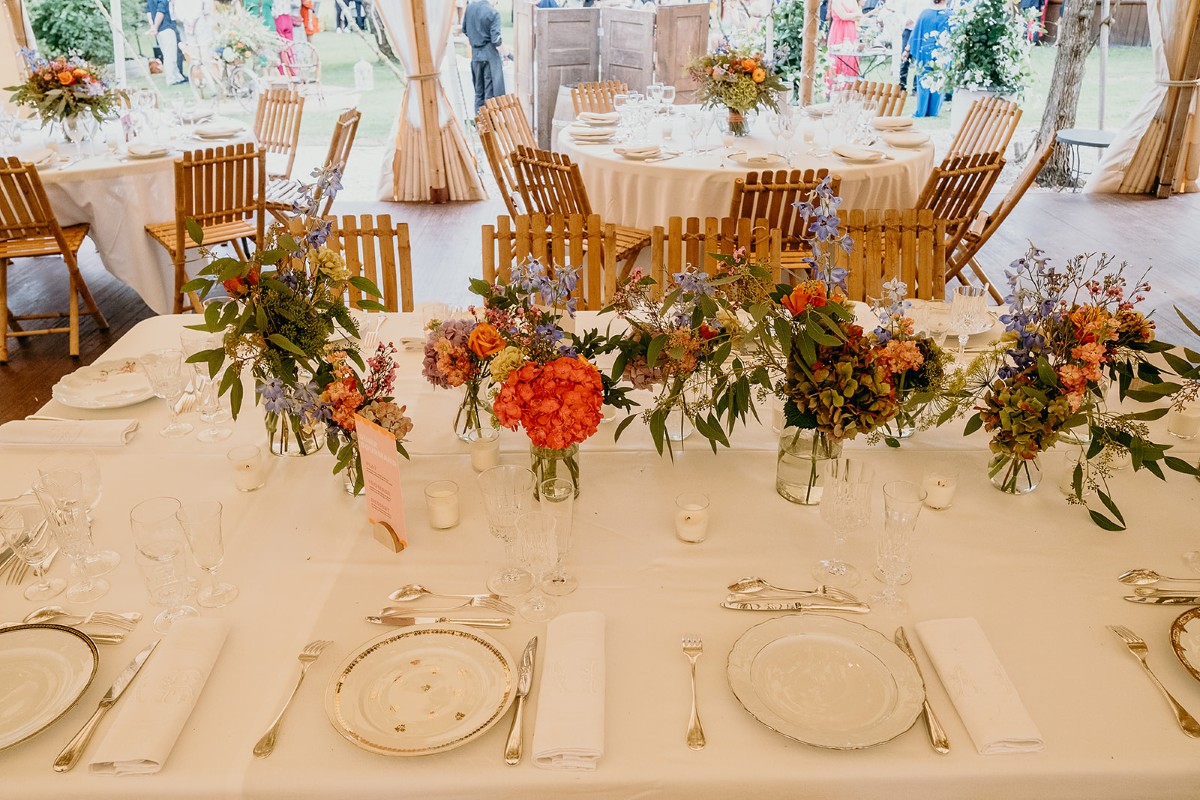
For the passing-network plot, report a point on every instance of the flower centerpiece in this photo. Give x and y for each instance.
(284, 305)
(346, 394)
(458, 352)
(739, 80)
(64, 89)
(986, 48)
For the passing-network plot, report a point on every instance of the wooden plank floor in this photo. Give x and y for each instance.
(1162, 234)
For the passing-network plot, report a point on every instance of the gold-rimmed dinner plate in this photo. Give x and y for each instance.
(421, 690)
(825, 681)
(1185, 640)
(44, 670)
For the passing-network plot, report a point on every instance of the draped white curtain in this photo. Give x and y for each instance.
(1130, 164)
(405, 174)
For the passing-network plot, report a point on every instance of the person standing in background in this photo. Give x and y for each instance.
(923, 42)
(195, 17)
(296, 8)
(909, 11)
(281, 10)
(843, 30)
(481, 26)
(162, 28)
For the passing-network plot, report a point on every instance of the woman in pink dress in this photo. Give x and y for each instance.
(843, 34)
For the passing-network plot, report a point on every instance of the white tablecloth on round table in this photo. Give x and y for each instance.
(639, 194)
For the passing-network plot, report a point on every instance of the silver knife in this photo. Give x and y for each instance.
(937, 734)
(474, 622)
(69, 757)
(1166, 600)
(794, 605)
(516, 733)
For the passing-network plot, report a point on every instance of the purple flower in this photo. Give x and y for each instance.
(274, 399)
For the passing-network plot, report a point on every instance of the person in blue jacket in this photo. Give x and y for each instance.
(481, 26)
(924, 40)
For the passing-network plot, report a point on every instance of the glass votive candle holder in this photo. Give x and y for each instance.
(939, 484)
(1184, 423)
(485, 448)
(249, 467)
(691, 517)
(441, 500)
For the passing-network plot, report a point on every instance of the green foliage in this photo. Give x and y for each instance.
(789, 37)
(986, 48)
(77, 26)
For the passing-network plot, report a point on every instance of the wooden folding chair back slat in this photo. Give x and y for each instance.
(376, 249)
(888, 244)
(985, 224)
(277, 125)
(957, 188)
(549, 182)
(282, 193)
(571, 241)
(502, 127)
(596, 97)
(989, 127)
(28, 227)
(889, 98)
(692, 242)
(772, 196)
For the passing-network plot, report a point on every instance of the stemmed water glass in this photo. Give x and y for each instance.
(167, 377)
(201, 523)
(539, 553)
(668, 97)
(902, 502)
(774, 122)
(966, 313)
(207, 389)
(845, 507)
(557, 498)
(654, 94)
(161, 548)
(694, 124)
(507, 494)
(787, 129)
(61, 496)
(829, 123)
(25, 529)
(99, 562)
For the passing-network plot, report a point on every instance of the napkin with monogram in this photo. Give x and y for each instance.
(985, 698)
(69, 432)
(149, 717)
(569, 730)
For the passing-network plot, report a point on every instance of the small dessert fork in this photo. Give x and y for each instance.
(312, 651)
(692, 648)
(1137, 646)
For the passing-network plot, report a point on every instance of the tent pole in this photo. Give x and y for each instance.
(808, 58)
(427, 78)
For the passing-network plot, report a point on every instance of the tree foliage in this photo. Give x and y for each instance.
(77, 27)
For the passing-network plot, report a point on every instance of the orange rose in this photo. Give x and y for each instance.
(66, 77)
(759, 75)
(749, 64)
(810, 294)
(80, 72)
(485, 340)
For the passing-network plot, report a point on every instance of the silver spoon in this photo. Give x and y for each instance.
(415, 591)
(755, 585)
(1145, 577)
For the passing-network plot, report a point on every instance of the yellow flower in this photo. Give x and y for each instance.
(507, 360)
(759, 75)
(331, 263)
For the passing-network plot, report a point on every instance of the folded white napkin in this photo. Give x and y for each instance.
(643, 151)
(891, 123)
(69, 433)
(599, 118)
(857, 153)
(569, 732)
(146, 150)
(905, 138)
(984, 697)
(148, 718)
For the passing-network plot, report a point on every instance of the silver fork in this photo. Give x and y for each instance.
(1138, 647)
(311, 652)
(692, 648)
(16, 573)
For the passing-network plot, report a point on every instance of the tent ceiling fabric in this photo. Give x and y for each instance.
(406, 173)
(1130, 164)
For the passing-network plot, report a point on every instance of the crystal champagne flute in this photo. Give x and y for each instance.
(557, 498)
(902, 502)
(845, 507)
(507, 493)
(539, 552)
(61, 495)
(201, 523)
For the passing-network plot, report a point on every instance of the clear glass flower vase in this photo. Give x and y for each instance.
(799, 473)
(548, 463)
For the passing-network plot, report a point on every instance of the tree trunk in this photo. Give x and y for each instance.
(1074, 42)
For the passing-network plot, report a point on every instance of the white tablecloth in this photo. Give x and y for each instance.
(1038, 576)
(635, 193)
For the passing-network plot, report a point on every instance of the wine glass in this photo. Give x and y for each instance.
(201, 523)
(167, 377)
(902, 503)
(845, 507)
(787, 129)
(61, 496)
(668, 97)
(773, 125)
(829, 123)
(25, 529)
(694, 124)
(539, 553)
(654, 94)
(557, 498)
(99, 562)
(966, 313)
(161, 548)
(507, 493)
(208, 394)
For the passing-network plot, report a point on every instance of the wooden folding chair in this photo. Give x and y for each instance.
(596, 97)
(692, 242)
(771, 198)
(550, 184)
(889, 244)
(277, 125)
(987, 223)
(559, 241)
(888, 97)
(379, 251)
(989, 127)
(223, 190)
(282, 193)
(502, 126)
(28, 228)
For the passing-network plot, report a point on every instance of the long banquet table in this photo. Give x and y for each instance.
(1038, 576)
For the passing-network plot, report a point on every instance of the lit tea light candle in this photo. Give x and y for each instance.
(441, 500)
(485, 448)
(691, 517)
(1184, 424)
(249, 469)
(939, 488)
